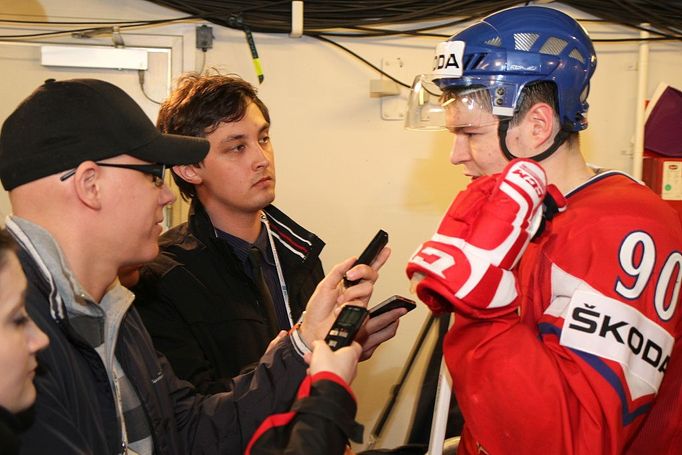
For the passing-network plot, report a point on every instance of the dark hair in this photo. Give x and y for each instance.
(200, 103)
(7, 244)
(539, 92)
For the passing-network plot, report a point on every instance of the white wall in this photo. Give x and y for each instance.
(344, 172)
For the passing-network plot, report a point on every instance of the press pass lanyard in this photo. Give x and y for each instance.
(278, 267)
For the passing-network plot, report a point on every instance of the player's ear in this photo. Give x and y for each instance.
(189, 173)
(541, 123)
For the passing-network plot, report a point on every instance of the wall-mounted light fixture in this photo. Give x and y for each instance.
(94, 57)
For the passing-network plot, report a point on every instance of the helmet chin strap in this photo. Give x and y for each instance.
(559, 139)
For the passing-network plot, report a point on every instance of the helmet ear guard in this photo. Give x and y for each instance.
(503, 54)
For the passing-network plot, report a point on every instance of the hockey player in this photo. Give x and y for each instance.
(564, 279)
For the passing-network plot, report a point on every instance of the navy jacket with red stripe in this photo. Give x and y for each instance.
(201, 308)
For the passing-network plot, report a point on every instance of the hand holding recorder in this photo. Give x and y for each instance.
(329, 294)
(357, 290)
(342, 362)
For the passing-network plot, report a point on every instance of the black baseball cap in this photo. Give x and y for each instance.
(64, 123)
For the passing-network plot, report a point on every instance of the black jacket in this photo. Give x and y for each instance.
(320, 422)
(11, 426)
(75, 411)
(201, 308)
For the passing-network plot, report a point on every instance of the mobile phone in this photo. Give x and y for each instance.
(391, 303)
(346, 326)
(370, 253)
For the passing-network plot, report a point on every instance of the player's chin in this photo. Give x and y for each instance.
(472, 174)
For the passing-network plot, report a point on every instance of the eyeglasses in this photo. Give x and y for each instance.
(157, 171)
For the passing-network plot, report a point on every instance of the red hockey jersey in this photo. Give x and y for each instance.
(591, 362)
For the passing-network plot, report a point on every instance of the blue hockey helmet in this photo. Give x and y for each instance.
(491, 62)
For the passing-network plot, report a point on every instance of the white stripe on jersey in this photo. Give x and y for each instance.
(610, 329)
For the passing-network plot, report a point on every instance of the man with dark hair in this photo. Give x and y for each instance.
(239, 271)
(564, 278)
(84, 168)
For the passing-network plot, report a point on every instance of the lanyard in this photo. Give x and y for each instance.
(278, 267)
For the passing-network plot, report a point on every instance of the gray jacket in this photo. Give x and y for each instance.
(75, 408)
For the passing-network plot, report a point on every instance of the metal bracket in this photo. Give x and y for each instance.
(393, 106)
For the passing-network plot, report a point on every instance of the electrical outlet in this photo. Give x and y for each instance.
(204, 37)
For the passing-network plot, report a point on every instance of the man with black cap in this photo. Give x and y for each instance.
(84, 168)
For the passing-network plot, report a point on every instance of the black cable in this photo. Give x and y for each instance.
(628, 40)
(203, 61)
(331, 15)
(360, 19)
(377, 32)
(327, 40)
(353, 19)
(635, 26)
(54, 33)
(139, 22)
(123, 25)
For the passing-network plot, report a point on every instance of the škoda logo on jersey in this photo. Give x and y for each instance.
(448, 59)
(616, 331)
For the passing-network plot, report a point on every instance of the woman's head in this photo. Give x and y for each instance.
(20, 338)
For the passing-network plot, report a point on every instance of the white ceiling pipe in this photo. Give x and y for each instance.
(642, 82)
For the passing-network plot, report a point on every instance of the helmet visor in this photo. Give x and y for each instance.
(431, 108)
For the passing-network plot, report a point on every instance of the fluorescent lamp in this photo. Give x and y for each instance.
(94, 57)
